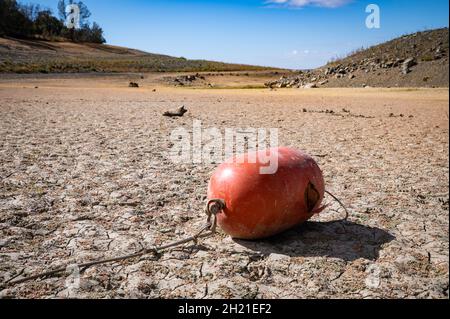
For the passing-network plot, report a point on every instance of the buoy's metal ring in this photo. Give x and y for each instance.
(214, 207)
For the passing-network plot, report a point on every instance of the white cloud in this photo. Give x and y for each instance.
(305, 3)
(295, 52)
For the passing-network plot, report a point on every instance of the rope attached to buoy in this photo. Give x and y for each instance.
(213, 207)
(347, 214)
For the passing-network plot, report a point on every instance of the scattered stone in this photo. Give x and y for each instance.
(187, 79)
(133, 85)
(379, 64)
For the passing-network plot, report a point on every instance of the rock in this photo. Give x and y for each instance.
(409, 62)
(330, 71)
(310, 86)
(323, 82)
(406, 66)
(351, 76)
(133, 85)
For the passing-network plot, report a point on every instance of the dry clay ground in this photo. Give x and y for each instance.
(84, 175)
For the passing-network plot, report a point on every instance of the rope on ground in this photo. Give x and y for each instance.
(213, 207)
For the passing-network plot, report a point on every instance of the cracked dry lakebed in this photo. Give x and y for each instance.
(84, 174)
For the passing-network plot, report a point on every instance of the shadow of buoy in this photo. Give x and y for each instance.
(344, 240)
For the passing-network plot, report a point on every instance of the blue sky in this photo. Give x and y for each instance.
(293, 34)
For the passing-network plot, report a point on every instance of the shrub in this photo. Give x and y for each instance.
(30, 21)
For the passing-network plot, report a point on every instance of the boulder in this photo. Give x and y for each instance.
(310, 86)
(407, 64)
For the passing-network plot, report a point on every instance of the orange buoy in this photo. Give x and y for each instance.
(260, 205)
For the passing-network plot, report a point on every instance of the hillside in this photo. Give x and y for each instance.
(33, 56)
(415, 60)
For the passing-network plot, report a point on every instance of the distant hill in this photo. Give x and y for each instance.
(415, 60)
(34, 56)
